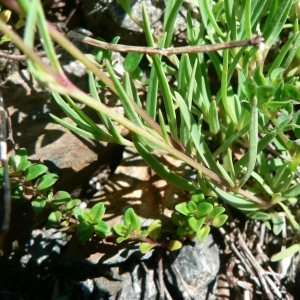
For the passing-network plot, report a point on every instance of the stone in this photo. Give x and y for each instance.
(194, 269)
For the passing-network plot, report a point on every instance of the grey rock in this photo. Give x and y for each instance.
(187, 276)
(194, 269)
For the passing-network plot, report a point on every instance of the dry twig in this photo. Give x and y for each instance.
(253, 41)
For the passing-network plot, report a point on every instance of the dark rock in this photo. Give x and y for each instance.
(194, 269)
(107, 19)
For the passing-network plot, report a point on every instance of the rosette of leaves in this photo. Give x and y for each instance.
(132, 229)
(196, 216)
(27, 179)
(91, 222)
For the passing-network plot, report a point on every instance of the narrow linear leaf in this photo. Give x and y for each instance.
(285, 253)
(161, 170)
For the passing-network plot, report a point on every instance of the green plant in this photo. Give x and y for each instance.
(241, 136)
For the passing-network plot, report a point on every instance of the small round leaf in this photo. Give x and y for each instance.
(196, 224)
(130, 218)
(34, 171)
(72, 204)
(145, 247)
(203, 233)
(84, 231)
(219, 221)
(97, 212)
(174, 245)
(47, 181)
(120, 229)
(182, 208)
(154, 229)
(102, 229)
(38, 204)
(61, 197)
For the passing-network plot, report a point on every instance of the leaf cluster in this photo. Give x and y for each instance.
(196, 216)
(240, 135)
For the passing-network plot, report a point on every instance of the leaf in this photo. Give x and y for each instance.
(203, 233)
(14, 161)
(264, 93)
(276, 21)
(177, 218)
(174, 245)
(213, 118)
(24, 165)
(120, 229)
(121, 239)
(296, 120)
(17, 190)
(240, 203)
(85, 216)
(293, 191)
(215, 212)
(47, 181)
(145, 247)
(97, 212)
(154, 229)
(182, 208)
(198, 197)
(61, 197)
(191, 206)
(5, 15)
(160, 169)
(101, 135)
(290, 216)
(289, 91)
(38, 204)
(132, 61)
(130, 218)
(197, 137)
(277, 221)
(72, 204)
(204, 208)
(84, 231)
(34, 171)
(285, 253)
(259, 215)
(196, 224)
(55, 217)
(219, 221)
(102, 229)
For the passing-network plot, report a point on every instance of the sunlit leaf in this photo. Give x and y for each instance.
(47, 181)
(130, 218)
(285, 253)
(154, 229)
(145, 247)
(203, 233)
(174, 245)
